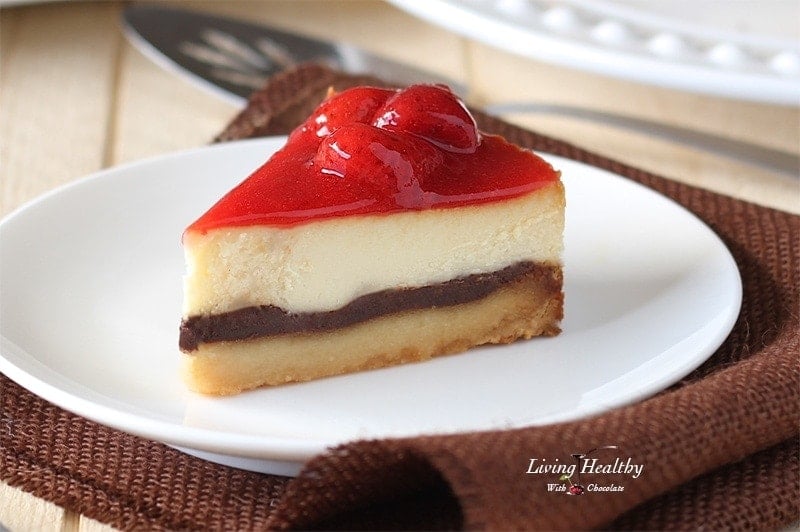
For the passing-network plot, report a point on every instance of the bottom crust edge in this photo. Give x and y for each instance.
(529, 307)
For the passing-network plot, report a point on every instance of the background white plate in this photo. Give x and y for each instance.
(91, 301)
(738, 49)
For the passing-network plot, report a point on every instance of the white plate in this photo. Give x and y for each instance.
(91, 300)
(744, 50)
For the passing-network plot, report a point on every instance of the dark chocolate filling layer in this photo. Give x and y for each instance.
(269, 320)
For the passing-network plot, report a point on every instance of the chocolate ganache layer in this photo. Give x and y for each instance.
(269, 320)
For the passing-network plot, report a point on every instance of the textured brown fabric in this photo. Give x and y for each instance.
(720, 450)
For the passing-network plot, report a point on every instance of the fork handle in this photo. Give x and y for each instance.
(773, 159)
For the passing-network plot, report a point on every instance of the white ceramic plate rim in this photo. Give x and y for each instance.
(25, 369)
(628, 43)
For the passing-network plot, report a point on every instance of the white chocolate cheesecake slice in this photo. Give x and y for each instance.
(377, 236)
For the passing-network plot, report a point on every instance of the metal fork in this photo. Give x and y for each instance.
(772, 159)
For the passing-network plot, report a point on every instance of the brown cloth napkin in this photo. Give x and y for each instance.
(717, 450)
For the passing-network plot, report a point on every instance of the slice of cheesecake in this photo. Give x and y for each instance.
(387, 230)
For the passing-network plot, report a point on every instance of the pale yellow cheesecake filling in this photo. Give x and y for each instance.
(326, 264)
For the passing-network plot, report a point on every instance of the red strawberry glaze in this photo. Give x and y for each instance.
(362, 168)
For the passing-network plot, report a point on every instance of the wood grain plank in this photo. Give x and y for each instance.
(158, 112)
(90, 525)
(56, 123)
(21, 511)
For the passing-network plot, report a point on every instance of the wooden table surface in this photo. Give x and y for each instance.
(76, 97)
